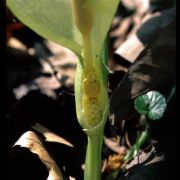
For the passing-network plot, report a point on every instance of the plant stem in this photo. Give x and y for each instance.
(143, 137)
(93, 157)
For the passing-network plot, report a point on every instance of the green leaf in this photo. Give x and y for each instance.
(152, 104)
(52, 19)
(103, 12)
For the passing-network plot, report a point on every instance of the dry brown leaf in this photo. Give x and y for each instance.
(50, 136)
(123, 28)
(130, 49)
(114, 145)
(15, 43)
(71, 178)
(141, 6)
(143, 34)
(64, 62)
(31, 141)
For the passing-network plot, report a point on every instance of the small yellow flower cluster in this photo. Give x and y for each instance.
(91, 105)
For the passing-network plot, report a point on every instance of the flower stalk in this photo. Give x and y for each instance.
(93, 163)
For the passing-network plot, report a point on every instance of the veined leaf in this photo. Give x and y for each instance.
(52, 19)
(152, 104)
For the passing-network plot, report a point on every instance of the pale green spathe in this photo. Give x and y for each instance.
(52, 19)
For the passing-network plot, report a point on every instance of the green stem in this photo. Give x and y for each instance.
(93, 157)
(143, 137)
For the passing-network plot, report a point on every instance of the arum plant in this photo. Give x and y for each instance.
(82, 26)
(152, 106)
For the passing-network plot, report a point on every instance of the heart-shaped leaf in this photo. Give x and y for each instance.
(152, 104)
